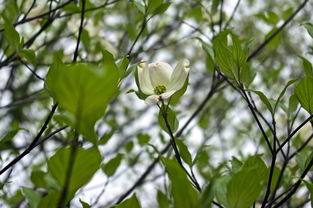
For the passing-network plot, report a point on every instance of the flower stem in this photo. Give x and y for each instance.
(176, 151)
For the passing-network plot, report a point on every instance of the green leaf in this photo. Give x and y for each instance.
(307, 66)
(132, 202)
(223, 55)
(272, 17)
(85, 165)
(184, 152)
(84, 204)
(12, 36)
(269, 17)
(231, 59)
(308, 159)
(143, 139)
(31, 196)
(129, 146)
(122, 66)
(300, 159)
(175, 98)
(167, 112)
(50, 200)
(195, 13)
(153, 5)
(304, 93)
(283, 93)
(10, 135)
(275, 176)
(214, 6)
(37, 178)
(162, 8)
(29, 55)
(86, 40)
(235, 164)
(239, 56)
(111, 166)
(243, 188)
(139, 5)
(105, 138)
(309, 28)
(247, 74)
(110, 65)
(274, 43)
(184, 194)
(207, 196)
(208, 49)
(310, 188)
(258, 164)
(84, 91)
(264, 99)
(220, 189)
(10, 12)
(292, 104)
(162, 200)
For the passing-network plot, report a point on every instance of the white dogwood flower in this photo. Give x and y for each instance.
(160, 81)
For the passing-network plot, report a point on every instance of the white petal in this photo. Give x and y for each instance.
(144, 79)
(160, 73)
(152, 99)
(167, 94)
(179, 75)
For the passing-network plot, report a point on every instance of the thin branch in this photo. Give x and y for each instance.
(41, 15)
(143, 26)
(221, 16)
(176, 151)
(232, 14)
(74, 145)
(293, 133)
(301, 147)
(26, 99)
(267, 40)
(31, 70)
(34, 142)
(296, 185)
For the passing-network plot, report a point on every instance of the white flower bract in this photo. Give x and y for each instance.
(160, 81)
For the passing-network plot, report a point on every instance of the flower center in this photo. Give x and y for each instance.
(158, 90)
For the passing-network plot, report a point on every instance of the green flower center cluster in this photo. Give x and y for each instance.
(158, 90)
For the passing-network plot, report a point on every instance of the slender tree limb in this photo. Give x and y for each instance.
(267, 40)
(232, 14)
(24, 20)
(34, 142)
(293, 133)
(176, 151)
(221, 16)
(296, 185)
(74, 146)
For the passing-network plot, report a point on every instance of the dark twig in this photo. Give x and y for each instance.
(41, 15)
(31, 70)
(74, 146)
(176, 151)
(296, 185)
(293, 133)
(221, 16)
(267, 40)
(232, 14)
(34, 142)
